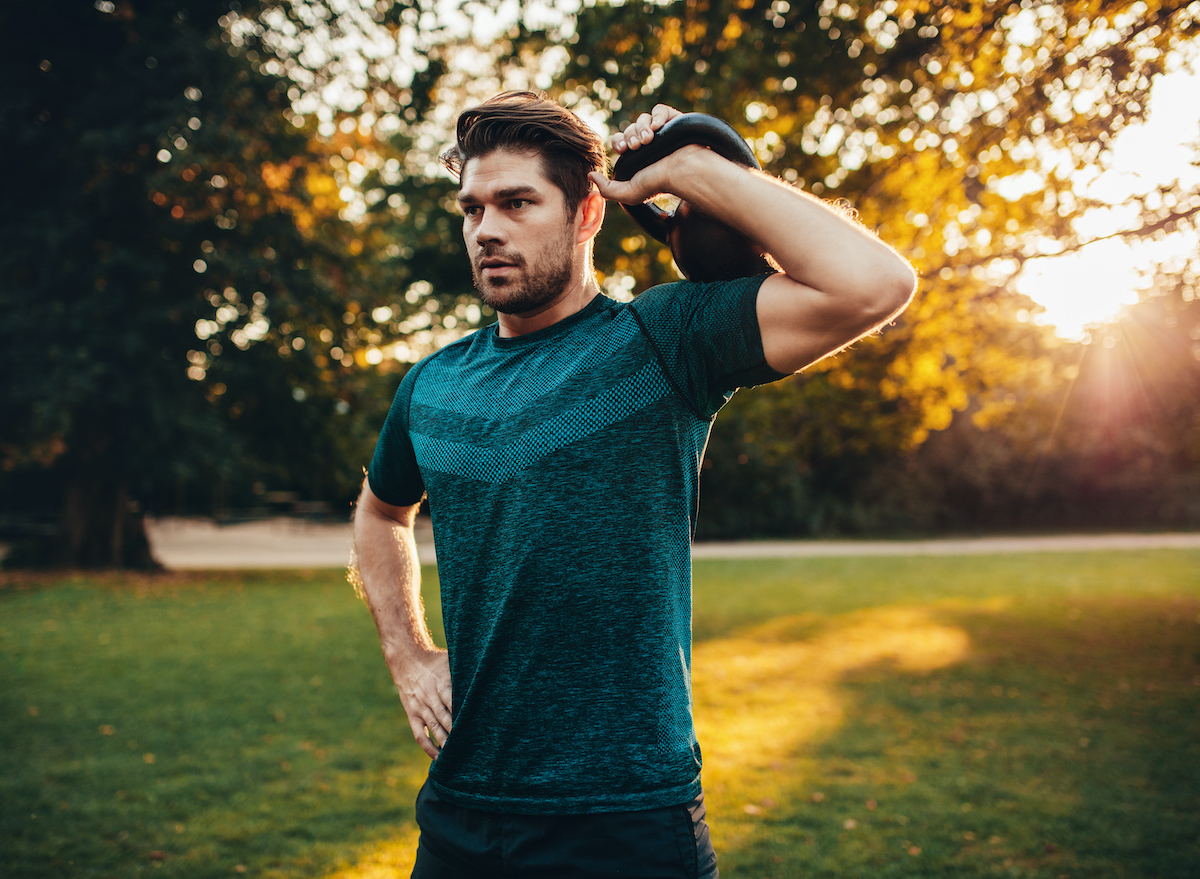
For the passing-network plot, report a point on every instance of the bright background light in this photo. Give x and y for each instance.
(1092, 285)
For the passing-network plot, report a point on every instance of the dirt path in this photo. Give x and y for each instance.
(193, 544)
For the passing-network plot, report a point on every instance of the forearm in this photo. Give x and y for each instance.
(838, 281)
(391, 582)
(813, 243)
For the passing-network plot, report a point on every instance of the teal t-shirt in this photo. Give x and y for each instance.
(562, 469)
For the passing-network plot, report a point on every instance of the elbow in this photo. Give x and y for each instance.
(906, 286)
(895, 290)
(881, 296)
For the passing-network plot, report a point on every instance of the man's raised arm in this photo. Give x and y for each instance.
(391, 583)
(839, 281)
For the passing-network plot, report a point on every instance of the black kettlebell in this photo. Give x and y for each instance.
(705, 249)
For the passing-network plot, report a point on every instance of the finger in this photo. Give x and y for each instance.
(422, 720)
(422, 737)
(437, 732)
(445, 708)
(645, 128)
(617, 142)
(661, 115)
(441, 718)
(640, 132)
(623, 191)
(607, 188)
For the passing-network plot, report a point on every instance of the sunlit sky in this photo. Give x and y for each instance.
(1086, 287)
(1092, 285)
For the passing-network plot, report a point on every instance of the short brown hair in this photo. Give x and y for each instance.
(531, 121)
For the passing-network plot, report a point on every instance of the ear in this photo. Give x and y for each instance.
(589, 216)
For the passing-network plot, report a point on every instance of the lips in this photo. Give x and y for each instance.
(498, 259)
(496, 268)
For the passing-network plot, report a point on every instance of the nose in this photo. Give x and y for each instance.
(489, 228)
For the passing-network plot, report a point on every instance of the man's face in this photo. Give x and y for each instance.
(521, 242)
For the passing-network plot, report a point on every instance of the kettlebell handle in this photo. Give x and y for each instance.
(735, 256)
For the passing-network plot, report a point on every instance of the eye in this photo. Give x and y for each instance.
(518, 203)
(470, 210)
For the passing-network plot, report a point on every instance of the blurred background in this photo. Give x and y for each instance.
(226, 237)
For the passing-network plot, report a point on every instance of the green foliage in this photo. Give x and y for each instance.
(187, 301)
(226, 239)
(954, 129)
(1114, 445)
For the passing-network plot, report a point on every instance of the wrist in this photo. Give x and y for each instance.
(404, 653)
(704, 178)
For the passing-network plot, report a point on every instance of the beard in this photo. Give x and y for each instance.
(530, 287)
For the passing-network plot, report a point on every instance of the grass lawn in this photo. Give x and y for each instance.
(1021, 715)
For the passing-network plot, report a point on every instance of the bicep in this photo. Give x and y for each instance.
(369, 504)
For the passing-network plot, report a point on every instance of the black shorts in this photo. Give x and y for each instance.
(459, 843)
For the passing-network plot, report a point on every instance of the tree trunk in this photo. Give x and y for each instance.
(101, 528)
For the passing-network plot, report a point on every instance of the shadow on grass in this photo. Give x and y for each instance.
(198, 726)
(1053, 738)
(214, 725)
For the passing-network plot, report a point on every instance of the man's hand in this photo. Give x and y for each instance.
(652, 180)
(641, 131)
(423, 683)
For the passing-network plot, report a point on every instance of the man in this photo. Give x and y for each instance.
(560, 451)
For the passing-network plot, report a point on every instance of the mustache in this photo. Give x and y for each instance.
(499, 253)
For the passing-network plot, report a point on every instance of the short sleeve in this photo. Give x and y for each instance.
(394, 476)
(707, 338)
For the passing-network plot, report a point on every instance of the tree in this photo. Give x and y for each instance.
(1127, 444)
(956, 129)
(187, 301)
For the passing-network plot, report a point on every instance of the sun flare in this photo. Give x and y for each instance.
(1091, 286)
(1082, 289)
